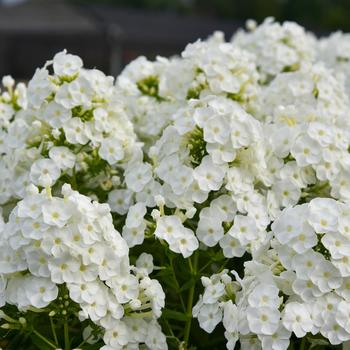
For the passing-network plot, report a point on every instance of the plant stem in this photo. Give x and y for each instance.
(74, 180)
(48, 342)
(205, 266)
(84, 341)
(172, 335)
(177, 285)
(66, 336)
(53, 331)
(193, 268)
(303, 344)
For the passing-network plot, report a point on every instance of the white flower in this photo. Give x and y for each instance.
(135, 215)
(231, 247)
(305, 264)
(289, 224)
(208, 175)
(111, 150)
(334, 332)
(209, 230)
(213, 291)
(120, 200)
(323, 215)
(337, 244)
(40, 291)
(44, 172)
(135, 235)
(55, 213)
(75, 131)
(226, 205)
(145, 263)
(306, 151)
(277, 341)
(169, 228)
(155, 338)
(186, 244)
(63, 157)
(117, 336)
(7, 81)
(209, 316)
(264, 295)
(263, 320)
(306, 289)
(326, 276)
(56, 115)
(138, 176)
(216, 129)
(124, 288)
(39, 87)
(64, 269)
(66, 64)
(296, 318)
(244, 229)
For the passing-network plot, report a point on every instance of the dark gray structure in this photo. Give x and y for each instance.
(106, 37)
(34, 31)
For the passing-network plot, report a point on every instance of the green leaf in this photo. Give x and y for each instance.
(317, 342)
(39, 343)
(188, 285)
(174, 315)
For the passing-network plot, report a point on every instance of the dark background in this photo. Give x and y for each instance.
(108, 34)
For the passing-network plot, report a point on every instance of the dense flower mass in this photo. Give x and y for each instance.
(50, 241)
(207, 193)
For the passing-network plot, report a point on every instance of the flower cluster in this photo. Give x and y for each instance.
(277, 47)
(300, 285)
(73, 130)
(11, 100)
(51, 241)
(226, 172)
(155, 91)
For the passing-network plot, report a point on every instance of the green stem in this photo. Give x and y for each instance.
(187, 330)
(303, 343)
(45, 340)
(205, 266)
(190, 265)
(172, 335)
(66, 336)
(223, 265)
(74, 180)
(177, 285)
(53, 331)
(84, 341)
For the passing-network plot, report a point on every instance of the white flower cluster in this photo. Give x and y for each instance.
(155, 91)
(239, 149)
(74, 126)
(241, 152)
(49, 241)
(277, 47)
(300, 285)
(12, 99)
(254, 136)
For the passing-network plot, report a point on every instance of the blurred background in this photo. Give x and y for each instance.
(108, 34)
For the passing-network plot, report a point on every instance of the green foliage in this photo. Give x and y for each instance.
(150, 86)
(196, 145)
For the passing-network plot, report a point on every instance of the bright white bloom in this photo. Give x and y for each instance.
(263, 320)
(44, 172)
(66, 64)
(296, 318)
